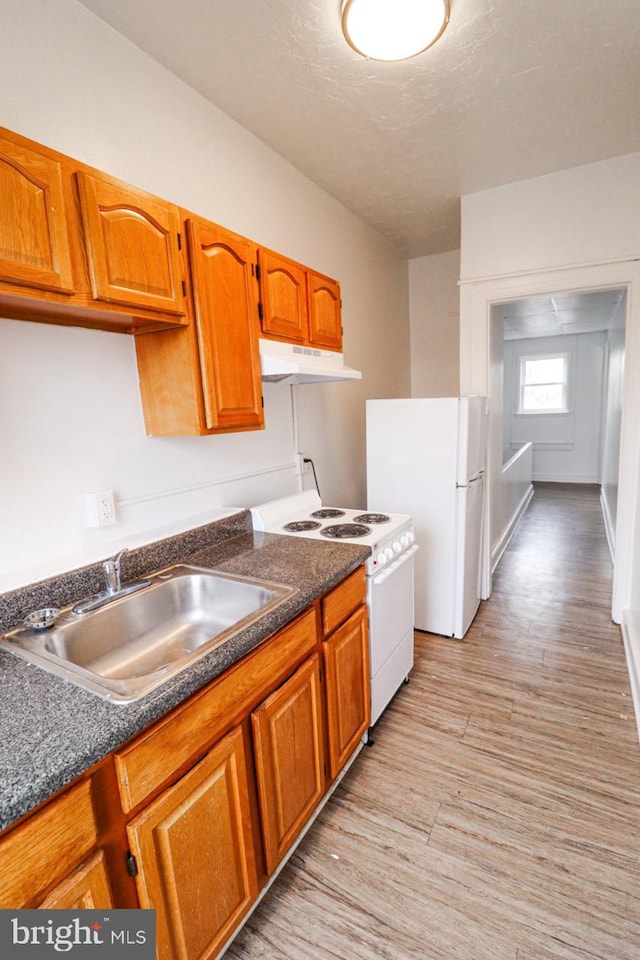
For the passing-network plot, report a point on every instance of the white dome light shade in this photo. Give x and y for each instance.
(393, 29)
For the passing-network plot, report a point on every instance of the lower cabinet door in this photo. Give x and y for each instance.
(86, 889)
(195, 855)
(289, 758)
(346, 658)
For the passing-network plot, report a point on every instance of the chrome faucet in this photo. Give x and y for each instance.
(111, 570)
(113, 588)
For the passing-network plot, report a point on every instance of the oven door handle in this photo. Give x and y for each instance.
(395, 565)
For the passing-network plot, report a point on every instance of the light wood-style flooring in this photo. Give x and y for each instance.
(497, 817)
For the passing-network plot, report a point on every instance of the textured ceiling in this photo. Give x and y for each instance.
(562, 314)
(514, 89)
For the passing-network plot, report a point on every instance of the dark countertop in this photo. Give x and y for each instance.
(51, 731)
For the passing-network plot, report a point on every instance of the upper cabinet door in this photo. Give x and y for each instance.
(34, 244)
(325, 316)
(284, 299)
(132, 246)
(225, 293)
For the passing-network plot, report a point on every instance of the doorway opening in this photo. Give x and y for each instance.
(556, 394)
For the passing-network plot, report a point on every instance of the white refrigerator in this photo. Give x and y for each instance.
(426, 457)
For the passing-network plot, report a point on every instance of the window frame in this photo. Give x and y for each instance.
(556, 355)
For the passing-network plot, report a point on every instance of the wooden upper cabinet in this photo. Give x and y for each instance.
(132, 243)
(283, 286)
(325, 314)
(194, 851)
(299, 305)
(225, 294)
(346, 658)
(34, 243)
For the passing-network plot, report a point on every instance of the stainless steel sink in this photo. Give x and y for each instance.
(137, 642)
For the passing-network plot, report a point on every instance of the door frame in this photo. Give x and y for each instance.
(476, 300)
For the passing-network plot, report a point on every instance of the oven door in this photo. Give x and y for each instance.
(390, 600)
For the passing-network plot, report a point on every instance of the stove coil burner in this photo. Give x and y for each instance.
(327, 513)
(300, 526)
(372, 518)
(345, 531)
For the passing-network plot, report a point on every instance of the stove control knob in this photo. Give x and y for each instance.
(387, 554)
(410, 535)
(397, 546)
(381, 559)
(405, 540)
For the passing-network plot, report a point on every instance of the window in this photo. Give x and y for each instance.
(543, 383)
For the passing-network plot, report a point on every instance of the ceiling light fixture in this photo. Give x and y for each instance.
(393, 29)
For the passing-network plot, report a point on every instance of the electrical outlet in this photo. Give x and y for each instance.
(302, 464)
(100, 509)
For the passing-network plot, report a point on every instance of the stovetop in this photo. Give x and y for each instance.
(303, 515)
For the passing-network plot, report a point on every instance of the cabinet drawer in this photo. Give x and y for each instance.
(168, 747)
(46, 847)
(343, 600)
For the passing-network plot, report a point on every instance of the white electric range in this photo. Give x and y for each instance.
(389, 575)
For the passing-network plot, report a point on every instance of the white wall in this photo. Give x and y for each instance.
(434, 309)
(613, 393)
(574, 230)
(70, 418)
(566, 446)
(587, 214)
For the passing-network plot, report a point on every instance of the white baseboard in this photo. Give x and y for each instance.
(609, 529)
(548, 478)
(510, 529)
(631, 637)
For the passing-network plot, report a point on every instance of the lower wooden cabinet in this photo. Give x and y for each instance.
(86, 889)
(45, 849)
(194, 852)
(289, 758)
(207, 801)
(346, 658)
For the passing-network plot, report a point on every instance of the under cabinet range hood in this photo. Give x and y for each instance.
(290, 363)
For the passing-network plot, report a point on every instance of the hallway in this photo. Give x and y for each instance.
(497, 817)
